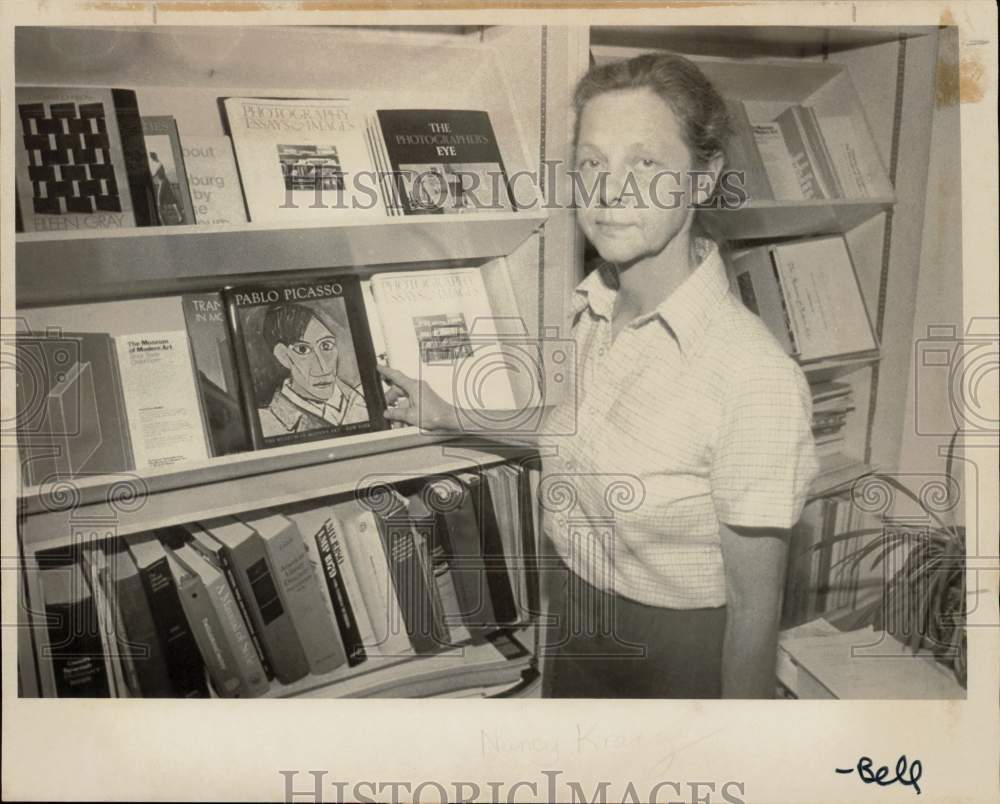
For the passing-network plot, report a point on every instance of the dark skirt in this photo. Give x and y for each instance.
(601, 645)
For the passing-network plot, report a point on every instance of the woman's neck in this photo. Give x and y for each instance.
(644, 285)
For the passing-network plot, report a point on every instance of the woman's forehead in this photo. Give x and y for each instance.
(628, 115)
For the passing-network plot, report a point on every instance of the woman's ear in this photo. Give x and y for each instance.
(281, 355)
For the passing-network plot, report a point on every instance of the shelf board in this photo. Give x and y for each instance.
(60, 268)
(836, 473)
(773, 219)
(826, 370)
(259, 481)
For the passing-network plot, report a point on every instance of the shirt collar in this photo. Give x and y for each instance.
(686, 312)
(332, 409)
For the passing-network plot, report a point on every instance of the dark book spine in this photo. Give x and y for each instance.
(140, 640)
(227, 569)
(529, 539)
(409, 581)
(184, 662)
(342, 610)
(140, 182)
(76, 649)
(458, 533)
(246, 383)
(497, 577)
(274, 624)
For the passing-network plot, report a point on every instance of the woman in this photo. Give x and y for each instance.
(684, 399)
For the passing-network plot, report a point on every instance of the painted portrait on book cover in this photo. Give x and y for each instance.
(304, 367)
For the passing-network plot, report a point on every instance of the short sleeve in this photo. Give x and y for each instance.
(765, 456)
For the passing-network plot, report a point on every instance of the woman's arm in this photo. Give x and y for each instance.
(754, 560)
(413, 402)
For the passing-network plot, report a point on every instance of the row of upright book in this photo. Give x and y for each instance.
(149, 384)
(90, 158)
(801, 155)
(245, 605)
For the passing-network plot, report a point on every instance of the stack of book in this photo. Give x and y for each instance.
(174, 380)
(272, 602)
(89, 158)
(800, 155)
(832, 402)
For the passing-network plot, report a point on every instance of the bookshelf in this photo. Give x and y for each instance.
(883, 80)
(182, 72)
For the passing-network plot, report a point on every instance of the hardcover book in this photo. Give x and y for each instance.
(184, 662)
(81, 160)
(302, 159)
(246, 560)
(774, 153)
(813, 179)
(299, 589)
(71, 411)
(94, 566)
(166, 168)
(439, 327)
(742, 155)
(306, 361)
(215, 365)
(444, 161)
(323, 532)
(216, 194)
(76, 649)
(138, 640)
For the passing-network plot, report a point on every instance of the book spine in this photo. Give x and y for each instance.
(339, 599)
(226, 565)
(246, 665)
(182, 656)
(820, 151)
(246, 385)
(105, 624)
(207, 630)
(299, 588)
(795, 139)
(273, 623)
(459, 533)
(787, 311)
(408, 580)
(529, 538)
(141, 644)
(744, 156)
(440, 633)
(77, 652)
(369, 561)
(494, 562)
(352, 589)
(136, 159)
(121, 646)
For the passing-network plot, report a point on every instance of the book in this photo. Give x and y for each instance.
(305, 360)
(242, 672)
(171, 191)
(215, 367)
(742, 155)
(155, 373)
(75, 649)
(855, 172)
(823, 298)
(409, 567)
(216, 194)
(94, 565)
(807, 294)
(323, 531)
(776, 158)
(81, 160)
(298, 587)
(805, 159)
(364, 545)
(246, 557)
(138, 641)
(439, 327)
(444, 161)
(205, 628)
(71, 411)
(302, 159)
(184, 662)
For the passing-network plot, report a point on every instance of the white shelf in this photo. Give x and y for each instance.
(119, 505)
(150, 260)
(774, 219)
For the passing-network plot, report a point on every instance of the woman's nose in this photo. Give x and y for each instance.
(613, 187)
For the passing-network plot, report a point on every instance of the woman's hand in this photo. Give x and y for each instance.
(412, 401)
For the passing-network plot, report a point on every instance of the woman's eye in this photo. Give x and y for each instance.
(300, 349)
(589, 164)
(647, 163)
(328, 346)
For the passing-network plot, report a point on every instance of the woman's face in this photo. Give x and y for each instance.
(631, 151)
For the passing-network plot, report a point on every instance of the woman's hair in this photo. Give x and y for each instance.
(695, 103)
